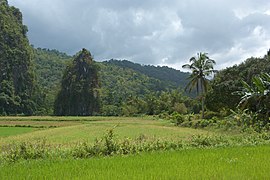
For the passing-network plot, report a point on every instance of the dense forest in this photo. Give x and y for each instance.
(164, 73)
(119, 85)
(227, 81)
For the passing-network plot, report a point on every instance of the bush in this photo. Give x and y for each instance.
(110, 110)
(25, 150)
(210, 114)
(177, 118)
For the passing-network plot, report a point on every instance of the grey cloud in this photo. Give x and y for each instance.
(150, 31)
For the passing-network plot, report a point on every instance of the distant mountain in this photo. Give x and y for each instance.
(164, 73)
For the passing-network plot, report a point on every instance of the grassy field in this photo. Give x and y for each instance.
(224, 163)
(70, 130)
(11, 131)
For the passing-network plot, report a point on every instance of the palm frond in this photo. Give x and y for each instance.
(186, 66)
(246, 86)
(259, 84)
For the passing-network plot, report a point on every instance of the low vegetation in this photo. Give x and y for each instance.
(219, 163)
(117, 140)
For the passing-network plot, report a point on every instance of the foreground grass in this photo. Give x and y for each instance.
(224, 163)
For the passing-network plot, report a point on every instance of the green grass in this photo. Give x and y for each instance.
(225, 163)
(70, 132)
(11, 131)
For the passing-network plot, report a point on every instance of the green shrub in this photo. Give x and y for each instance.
(177, 118)
(111, 110)
(210, 114)
(25, 150)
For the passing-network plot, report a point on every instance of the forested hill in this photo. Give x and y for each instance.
(50, 65)
(163, 73)
(118, 83)
(49, 68)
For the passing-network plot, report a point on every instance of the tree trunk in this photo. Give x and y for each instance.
(202, 90)
(202, 107)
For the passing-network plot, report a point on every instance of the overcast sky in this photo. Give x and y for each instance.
(158, 32)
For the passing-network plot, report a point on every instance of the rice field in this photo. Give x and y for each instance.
(223, 163)
(70, 130)
(12, 131)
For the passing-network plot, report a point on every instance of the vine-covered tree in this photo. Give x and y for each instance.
(17, 82)
(201, 67)
(79, 94)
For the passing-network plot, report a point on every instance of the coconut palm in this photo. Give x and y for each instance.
(201, 66)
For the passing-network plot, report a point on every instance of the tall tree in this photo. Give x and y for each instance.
(79, 94)
(17, 82)
(201, 67)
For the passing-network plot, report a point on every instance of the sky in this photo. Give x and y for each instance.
(156, 32)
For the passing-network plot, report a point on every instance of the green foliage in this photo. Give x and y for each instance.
(123, 90)
(49, 69)
(124, 87)
(177, 118)
(17, 81)
(168, 76)
(131, 93)
(255, 99)
(79, 93)
(212, 120)
(24, 150)
(221, 96)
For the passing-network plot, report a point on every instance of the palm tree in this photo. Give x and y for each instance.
(201, 67)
